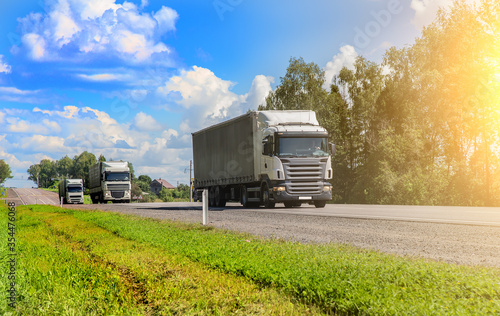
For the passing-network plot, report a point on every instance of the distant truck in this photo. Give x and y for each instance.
(110, 181)
(264, 158)
(71, 191)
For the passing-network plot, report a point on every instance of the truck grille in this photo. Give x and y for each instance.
(304, 176)
(117, 194)
(118, 187)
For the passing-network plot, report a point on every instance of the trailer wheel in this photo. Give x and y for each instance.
(220, 199)
(244, 197)
(211, 197)
(266, 198)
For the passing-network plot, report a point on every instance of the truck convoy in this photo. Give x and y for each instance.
(71, 191)
(264, 157)
(110, 181)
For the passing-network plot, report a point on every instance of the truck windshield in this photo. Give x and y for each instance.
(303, 146)
(117, 176)
(74, 189)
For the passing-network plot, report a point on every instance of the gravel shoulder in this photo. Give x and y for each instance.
(451, 243)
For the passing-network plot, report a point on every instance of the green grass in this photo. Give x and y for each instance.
(73, 267)
(332, 278)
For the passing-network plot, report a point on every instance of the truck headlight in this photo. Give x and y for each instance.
(107, 193)
(279, 189)
(327, 188)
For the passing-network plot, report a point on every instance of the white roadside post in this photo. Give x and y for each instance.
(61, 201)
(205, 206)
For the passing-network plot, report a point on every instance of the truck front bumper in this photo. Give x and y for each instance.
(284, 196)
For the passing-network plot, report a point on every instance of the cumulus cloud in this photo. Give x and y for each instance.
(346, 58)
(73, 28)
(42, 143)
(209, 99)
(144, 122)
(16, 125)
(4, 67)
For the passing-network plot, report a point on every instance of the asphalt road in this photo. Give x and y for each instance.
(485, 216)
(461, 235)
(32, 196)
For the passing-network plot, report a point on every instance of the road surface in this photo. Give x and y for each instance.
(461, 235)
(32, 196)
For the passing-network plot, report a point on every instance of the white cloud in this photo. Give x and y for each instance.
(2, 116)
(13, 90)
(4, 67)
(144, 122)
(69, 111)
(13, 161)
(41, 143)
(209, 99)
(73, 28)
(104, 77)
(346, 58)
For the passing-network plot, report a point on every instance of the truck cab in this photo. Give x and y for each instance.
(295, 162)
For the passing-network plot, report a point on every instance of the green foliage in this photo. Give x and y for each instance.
(5, 172)
(68, 266)
(166, 195)
(422, 127)
(338, 279)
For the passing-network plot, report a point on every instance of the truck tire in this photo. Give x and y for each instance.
(266, 197)
(211, 197)
(244, 197)
(220, 199)
(319, 204)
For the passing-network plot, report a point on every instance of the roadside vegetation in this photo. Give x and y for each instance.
(105, 263)
(70, 266)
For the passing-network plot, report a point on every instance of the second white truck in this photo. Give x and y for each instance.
(264, 158)
(71, 191)
(110, 181)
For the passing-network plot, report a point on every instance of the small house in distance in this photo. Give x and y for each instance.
(158, 184)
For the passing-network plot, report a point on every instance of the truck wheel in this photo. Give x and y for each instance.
(319, 204)
(220, 199)
(211, 197)
(266, 198)
(244, 197)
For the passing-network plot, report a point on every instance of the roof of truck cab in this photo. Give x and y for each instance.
(295, 117)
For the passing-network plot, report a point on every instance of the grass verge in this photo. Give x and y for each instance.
(73, 267)
(333, 278)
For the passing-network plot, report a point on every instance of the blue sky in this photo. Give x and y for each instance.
(133, 79)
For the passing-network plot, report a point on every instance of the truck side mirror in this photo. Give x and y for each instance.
(268, 146)
(332, 148)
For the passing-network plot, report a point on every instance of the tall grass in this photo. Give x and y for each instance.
(337, 278)
(72, 267)
(124, 264)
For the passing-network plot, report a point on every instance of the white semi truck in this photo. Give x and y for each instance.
(110, 181)
(71, 191)
(264, 158)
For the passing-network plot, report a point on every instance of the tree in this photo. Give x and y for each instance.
(300, 89)
(34, 174)
(132, 172)
(5, 172)
(82, 164)
(64, 167)
(101, 158)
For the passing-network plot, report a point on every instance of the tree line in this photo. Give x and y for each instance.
(47, 174)
(421, 127)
